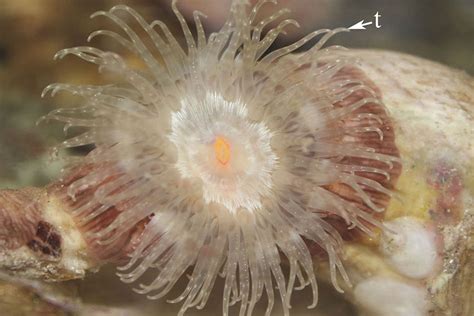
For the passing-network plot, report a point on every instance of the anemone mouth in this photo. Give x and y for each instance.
(219, 146)
(282, 143)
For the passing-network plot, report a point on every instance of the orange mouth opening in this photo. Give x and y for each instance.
(222, 150)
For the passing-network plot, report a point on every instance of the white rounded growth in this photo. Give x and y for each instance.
(388, 297)
(409, 247)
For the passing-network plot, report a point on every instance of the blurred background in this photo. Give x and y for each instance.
(31, 32)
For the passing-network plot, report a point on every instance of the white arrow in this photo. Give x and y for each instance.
(359, 25)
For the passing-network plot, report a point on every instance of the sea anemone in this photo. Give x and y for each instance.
(225, 158)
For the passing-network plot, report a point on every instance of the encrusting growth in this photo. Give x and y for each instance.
(223, 158)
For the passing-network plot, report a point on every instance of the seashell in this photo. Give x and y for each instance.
(427, 248)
